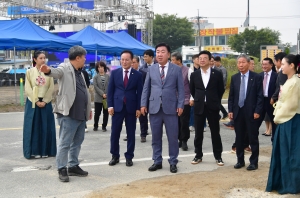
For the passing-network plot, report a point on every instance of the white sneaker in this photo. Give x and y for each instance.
(86, 130)
(192, 128)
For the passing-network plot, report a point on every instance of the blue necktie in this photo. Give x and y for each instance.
(242, 92)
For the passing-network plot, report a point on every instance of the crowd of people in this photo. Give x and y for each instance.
(167, 92)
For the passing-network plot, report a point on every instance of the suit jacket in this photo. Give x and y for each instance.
(213, 91)
(281, 78)
(86, 78)
(99, 88)
(132, 92)
(144, 74)
(67, 87)
(272, 83)
(254, 96)
(169, 95)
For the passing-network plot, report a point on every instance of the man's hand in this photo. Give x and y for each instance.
(256, 115)
(191, 103)
(104, 96)
(179, 111)
(137, 113)
(272, 101)
(45, 69)
(111, 111)
(91, 115)
(230, 116)
(143, 110)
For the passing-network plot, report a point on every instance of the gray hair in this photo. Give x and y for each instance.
(76, 51)
(136, 58)
(177, 55)
(244, 56)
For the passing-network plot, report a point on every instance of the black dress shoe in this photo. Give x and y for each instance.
(125, 139)
(239, 165)
(129, 162)
(184, 146)
(155, 167)
(114, 161)
(252, 167)
(173, 169)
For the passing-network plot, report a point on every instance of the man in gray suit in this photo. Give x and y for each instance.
(73, 109)
(163, 92)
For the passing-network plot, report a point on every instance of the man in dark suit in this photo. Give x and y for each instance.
(269, 85)
(148, 58)
(207, 88)
(163, 93)
(245, 104)
(123, 98)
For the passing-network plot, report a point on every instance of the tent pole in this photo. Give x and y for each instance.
(96, 58)
(15, 74)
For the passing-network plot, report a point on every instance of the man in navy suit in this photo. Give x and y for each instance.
(124, 99)
(163, 93)
(269, 85)
(245, 105)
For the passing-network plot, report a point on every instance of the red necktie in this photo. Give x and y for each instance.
(125, 82)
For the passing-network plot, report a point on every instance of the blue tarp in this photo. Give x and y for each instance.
(18, 71)
(108, 44)
(25, 35)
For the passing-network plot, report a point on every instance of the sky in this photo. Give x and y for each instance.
(280, 15)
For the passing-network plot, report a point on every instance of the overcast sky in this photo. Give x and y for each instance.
(280, 15)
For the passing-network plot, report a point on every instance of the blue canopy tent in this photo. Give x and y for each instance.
(108, 44)
(95, 41)
(22, 34)
(130, 43)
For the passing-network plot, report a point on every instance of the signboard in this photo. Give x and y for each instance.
(216, 48)
(219, 31)
(24, 10)
(269, 51)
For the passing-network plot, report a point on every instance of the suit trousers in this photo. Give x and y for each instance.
(116, 128)
(156, 122)
(98, 109)
(213, 121)
(244, 125)
(144, 125)
(183, 124)
(268, 108)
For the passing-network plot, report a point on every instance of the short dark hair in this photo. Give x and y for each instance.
(218, 58)
(195, 56)
(177, 55)
(149, 52)
(251, 58)
(76, 51)
(279, 56)
(207, 53)
(163, 45)
(101, 64)
(295, 59)
(269, 59)
(128, 52)
(136, 58)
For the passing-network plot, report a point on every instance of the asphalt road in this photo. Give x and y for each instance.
(39, 178)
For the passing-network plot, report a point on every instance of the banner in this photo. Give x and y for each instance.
(219, 31)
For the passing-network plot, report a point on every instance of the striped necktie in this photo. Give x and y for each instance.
(162, 74)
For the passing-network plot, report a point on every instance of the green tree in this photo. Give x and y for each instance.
(172, 30)
(249, 41)
(287, 48)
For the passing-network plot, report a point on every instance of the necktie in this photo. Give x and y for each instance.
(162, 74)
(242, 92)
(125, 83)
(265, 84)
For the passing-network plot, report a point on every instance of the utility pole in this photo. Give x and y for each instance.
(248, 14)
(199, 30)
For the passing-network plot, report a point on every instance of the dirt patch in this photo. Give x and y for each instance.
(11, 108)
(222, 182)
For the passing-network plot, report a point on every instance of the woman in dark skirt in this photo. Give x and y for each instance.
(284, 174)
(39, 136)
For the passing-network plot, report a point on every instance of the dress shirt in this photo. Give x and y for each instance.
(165, 68)
(267, 84)
(246, 81)
(128, 74)
(205, 78)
